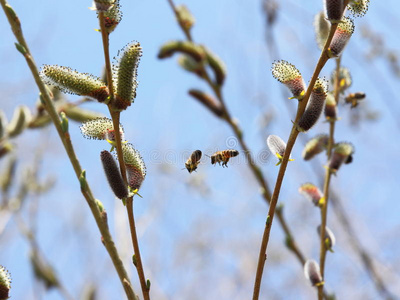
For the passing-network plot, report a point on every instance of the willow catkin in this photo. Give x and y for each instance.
(113, 175)
(100, 129)
(334, 10)
(311, 192)
(290, 76)
(73, 82)
(315, 146)
(341, 37)
(125, 75)
(314, 106)
(312, 272)
(135, 167)
(329, 238)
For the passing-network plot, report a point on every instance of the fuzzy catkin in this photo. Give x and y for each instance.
(342, 153)
(321, 27)
(314, 106)
(113, 17)
(330, 107)
(312, 272)
(328, 236)
(311, 192)
(276, 145)
(135, 177)
(334, 9)
(290, 76)
(135, 167)
(73, 82)
(344, 77)
(341, 36)
(5, 283)
(125, 75)
(100, 129)
(358, 8)
(315, 146)
(113, 175)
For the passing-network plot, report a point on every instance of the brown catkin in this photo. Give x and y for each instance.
(113, 175)
(342, 153)
(315, 146)
(330, 108)
(334, 9)
(135, 176)
(341, 37)
(135, 167)
(314, 107)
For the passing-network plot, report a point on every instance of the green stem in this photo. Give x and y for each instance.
(65, 138)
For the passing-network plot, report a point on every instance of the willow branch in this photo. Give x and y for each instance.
(106, 49)
(66, 140)
(115, 116)
(328, 175)
(290, 143)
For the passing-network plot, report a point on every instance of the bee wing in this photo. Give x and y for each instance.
(196, 155)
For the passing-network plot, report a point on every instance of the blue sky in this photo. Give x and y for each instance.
(203, 228)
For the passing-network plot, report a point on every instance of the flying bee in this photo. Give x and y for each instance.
(354, 98)
(223, 156)
(193, 161)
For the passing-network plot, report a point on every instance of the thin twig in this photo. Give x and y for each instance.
(328, 175)
(115, 116)
(106, 49)
(65, 138)
(135, 243)
(291, 141)
(129, 208)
